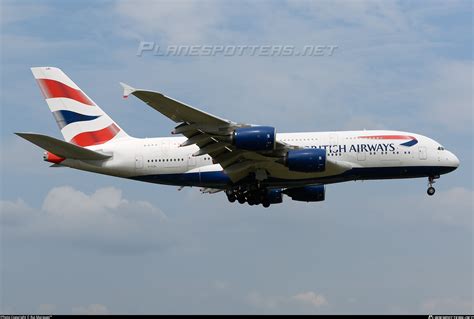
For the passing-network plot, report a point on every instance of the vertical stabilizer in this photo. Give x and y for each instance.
(81, 121)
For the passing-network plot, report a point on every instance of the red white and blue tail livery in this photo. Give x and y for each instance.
(81, 121)
(250, 163)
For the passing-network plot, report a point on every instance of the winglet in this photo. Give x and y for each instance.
(127, 90)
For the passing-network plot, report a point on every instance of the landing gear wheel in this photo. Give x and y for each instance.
(241, 200)
(231, 195)
(431, 190)
(431, 181)
(266, 204)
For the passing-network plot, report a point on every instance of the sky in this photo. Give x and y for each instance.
(74, 242)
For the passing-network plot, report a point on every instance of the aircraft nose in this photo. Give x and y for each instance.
(453, 160)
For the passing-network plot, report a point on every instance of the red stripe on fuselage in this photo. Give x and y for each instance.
(96, 137)
(389, 137)
(53, 89)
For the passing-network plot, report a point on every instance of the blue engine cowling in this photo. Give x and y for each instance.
(313, 193)
(255, 138)
(306, 160)
(274, 196)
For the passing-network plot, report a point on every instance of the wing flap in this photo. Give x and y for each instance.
(210, 148)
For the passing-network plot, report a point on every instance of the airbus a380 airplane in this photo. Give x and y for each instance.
(249, 163)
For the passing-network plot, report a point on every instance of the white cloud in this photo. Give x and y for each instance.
(176, 21)
(311, 298)
(78, 203)
(104, 220)
(106, 207)
(92, 309)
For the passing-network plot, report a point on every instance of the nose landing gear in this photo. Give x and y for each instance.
(431, 190)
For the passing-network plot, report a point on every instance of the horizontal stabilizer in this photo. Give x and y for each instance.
(61, 148)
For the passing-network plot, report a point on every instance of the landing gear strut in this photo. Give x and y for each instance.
(431, 190)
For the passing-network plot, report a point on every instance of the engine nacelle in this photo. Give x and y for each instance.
(274, 196)
(255, 138)
(313, 193)
(306, 160)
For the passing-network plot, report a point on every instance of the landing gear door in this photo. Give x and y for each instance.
(422, 152)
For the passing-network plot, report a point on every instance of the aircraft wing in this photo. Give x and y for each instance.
(175, 110)
(211, 134)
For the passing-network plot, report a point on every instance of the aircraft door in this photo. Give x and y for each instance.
(138, 161)
(164, 147)
(422, 153)
(191, 162)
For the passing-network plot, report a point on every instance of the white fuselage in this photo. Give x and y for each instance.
(370, 155)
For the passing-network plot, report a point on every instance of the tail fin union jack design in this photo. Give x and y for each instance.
(81, 121)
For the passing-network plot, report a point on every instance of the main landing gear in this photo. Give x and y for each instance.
(251, 195)
(431, 190)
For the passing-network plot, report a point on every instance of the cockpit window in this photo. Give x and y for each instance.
(440, 148)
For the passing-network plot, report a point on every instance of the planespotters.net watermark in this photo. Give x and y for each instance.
(152, 48)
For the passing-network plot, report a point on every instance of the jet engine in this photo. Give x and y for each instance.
(313, 193)
(255, 138)
(308, 160)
